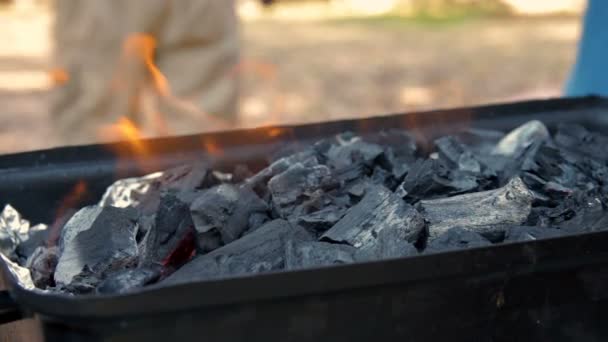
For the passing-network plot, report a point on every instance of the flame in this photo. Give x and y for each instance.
(67, 207)
(211, 146)
(59, 76)
(142, 47)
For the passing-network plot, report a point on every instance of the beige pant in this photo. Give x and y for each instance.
(111, 52)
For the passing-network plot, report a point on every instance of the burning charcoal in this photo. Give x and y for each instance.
(262, 250)
(42, 263)
(456, 238)
(127, 280)
(100, 238)
(321, 220)
(224, 211)
(127, 192)
(289, 187)
(524, 233)
(510, 204)
(352, 151)
(379, 210)
(520, 139)
(315, 254)
(170, 236)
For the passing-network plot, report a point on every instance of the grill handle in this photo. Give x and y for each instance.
(9, 309)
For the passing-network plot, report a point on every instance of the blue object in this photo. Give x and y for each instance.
(590, 72)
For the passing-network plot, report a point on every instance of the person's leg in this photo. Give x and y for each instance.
(590, 73)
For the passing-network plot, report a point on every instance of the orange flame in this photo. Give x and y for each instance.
(59, 76)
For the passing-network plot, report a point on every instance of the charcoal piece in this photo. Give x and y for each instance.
(224, 211)
(241, 173)
(455, 238)
(576, 138)
(352, 151)
(509, 205)
(289, 187)
(431, 178)
(351, 173)
(527, 233)
(358, 189)
(321, 220)
(383, 177)
(392, 243)
(592, 216)
(100, 238)
(37, 237)
(399, 150)
(480, 141)
(316, 254)
(42, 263)
(127, 192)
(84, 282)
(262, 250)
(171, 228)
(520, 139)
(379, 210)
(306, 158)
(128, 280)
(256, 220)
(450, 149)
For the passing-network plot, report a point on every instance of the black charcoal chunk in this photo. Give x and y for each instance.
(383, 177)
(520, 139)
(297, 183)
(379, 210)
(307, 157)
(480, 141)
(527, 233)
(100, 238)
(262, 250)
(37, 237)
(321, 220)
(456, 154)
(224, 211)
(456, 238)
(256, 220)
(42, 263)
(352, 151)
(509, 205)
(316, 254)
(399, 150)
(591, 216)
(128, 280)
(172, 226)
(392, 243)
(431, 178)
(576, 138)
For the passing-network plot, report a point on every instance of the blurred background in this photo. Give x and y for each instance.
(304, 61)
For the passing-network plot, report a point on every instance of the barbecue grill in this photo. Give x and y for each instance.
(547, 290)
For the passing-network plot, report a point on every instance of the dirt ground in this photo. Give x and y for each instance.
(318, 70)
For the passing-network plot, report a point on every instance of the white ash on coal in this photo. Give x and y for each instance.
(345, 199)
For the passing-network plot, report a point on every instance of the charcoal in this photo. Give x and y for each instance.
(351, 151)
(100, 238)
(480, 141)
(510, 204)
(520, 139)
(297, 182)
(379, 210)
(392, 243)
(383, 177)
(128, 280)
(224, 211)
(399, 150)
(315, 254)
(576, 138)
(262, 250)
(256, 220)
(590, 217)
(306, 157)
(38, 235)
(42, 263)
(431, 179)
(321, 220)
(171, 228)
(527, 233)
(455, 238)
(84, 282)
